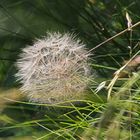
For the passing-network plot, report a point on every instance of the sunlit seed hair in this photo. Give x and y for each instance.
(54, 69)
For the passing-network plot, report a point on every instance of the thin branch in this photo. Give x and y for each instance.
(111, 38)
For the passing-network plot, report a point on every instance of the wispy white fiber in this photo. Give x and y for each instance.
(55, 68)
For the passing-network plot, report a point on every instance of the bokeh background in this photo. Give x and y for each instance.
(23, 21)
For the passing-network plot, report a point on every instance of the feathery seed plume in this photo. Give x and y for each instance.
(55, 68)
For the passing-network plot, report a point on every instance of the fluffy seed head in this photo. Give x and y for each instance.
(54, 69)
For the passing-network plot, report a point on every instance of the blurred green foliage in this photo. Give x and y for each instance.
(94, 21)
(21, 22)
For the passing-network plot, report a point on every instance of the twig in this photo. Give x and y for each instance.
(111, 38)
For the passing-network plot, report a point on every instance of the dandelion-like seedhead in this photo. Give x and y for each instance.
(55, 68)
